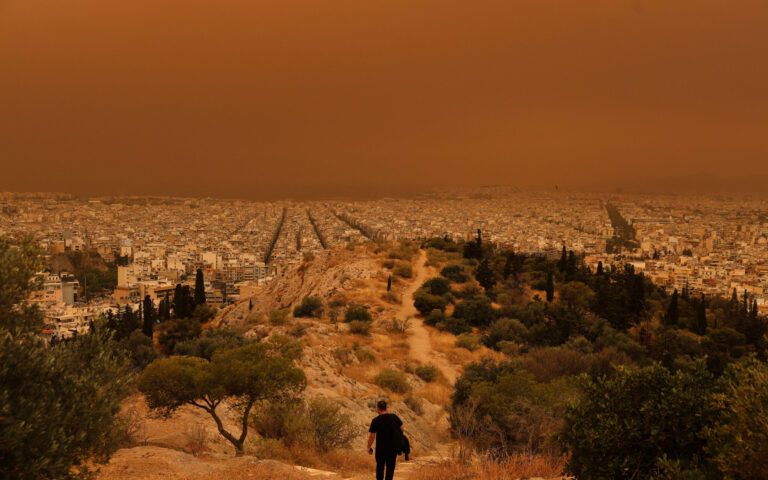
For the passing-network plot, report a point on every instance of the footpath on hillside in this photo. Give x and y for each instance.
(418, 335)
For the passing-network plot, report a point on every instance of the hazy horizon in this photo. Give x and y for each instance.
(358, 99)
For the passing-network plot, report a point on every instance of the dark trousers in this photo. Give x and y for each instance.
(385, 460)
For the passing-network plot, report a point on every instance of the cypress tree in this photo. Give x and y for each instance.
(754, 308)
(389, 283)
(149, 316)
(701, 316)
(550, 289)
(199, 288)
(562, 265)
(250, 305)
(572, 264)
(673, 313)
(599, 268)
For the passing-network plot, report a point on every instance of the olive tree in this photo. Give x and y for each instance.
(242, 376)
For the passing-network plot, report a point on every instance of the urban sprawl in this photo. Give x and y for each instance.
(707, 244)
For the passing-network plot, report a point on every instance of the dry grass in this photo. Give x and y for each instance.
(517, 466)
(344, 462)
(436, 393)
(445, 343)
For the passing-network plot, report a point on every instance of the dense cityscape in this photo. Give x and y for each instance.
(133, 247)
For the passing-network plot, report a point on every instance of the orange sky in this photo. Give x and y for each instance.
(305, 97)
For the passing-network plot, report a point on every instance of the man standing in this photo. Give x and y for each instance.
(387, 429)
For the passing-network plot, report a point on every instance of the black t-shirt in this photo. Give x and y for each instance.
(386, 427)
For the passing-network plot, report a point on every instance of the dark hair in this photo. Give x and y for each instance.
(382, 405)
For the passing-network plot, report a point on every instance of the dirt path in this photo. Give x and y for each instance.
(421, 346)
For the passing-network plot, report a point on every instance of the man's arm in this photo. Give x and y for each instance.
(371, 437)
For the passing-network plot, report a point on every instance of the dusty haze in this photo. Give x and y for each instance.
(309, 98)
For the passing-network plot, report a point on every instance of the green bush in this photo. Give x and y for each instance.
(356, 313)
(454, 325)
(359, 327)
(179, 330)
(309, 307)
(501, 408)
(639, 421)
(505, 329)
(740, 439)
(428, 373)
(435, 318)
(318, 422)
(59, 405)
(477, 311)
(437, 286)
(426, 302)
(455, 273)
(392, 380)
(468, 341)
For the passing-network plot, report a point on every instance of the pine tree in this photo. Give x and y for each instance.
(389, 283)
(701, 316)
(672, 316)
(199, 288)
(550, 289)
(150, 316)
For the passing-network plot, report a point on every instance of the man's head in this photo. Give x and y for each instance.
(381, 407)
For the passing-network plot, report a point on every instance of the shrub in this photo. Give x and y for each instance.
(318, 422)
(428, 372)
(426, 302)
(140, 348)
(403, 270)
(392, 380)
(434, 318)
(357, 313)
(388, 264)
(631, 425)
(508, 407)
(477, 311)
(204, 312)
(309, 307)
(740, 439)
(454, 325)
(505, 329)
(454, 273)
(398, 326)
(177, 331)
(329, 427)
(359, 327)
(59, 404)
(468, 341)
(278, 317)
(437, 286)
